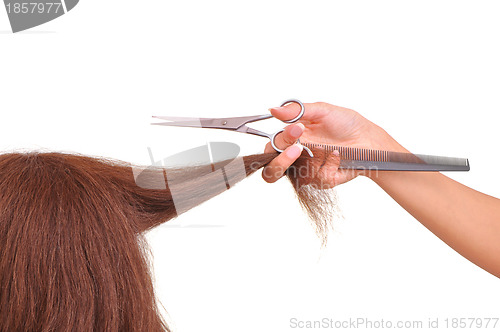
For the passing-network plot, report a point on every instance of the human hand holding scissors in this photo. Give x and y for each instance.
(467, 220)
(329, 125)
(326, 124)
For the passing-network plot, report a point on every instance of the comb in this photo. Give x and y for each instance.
(368, 159)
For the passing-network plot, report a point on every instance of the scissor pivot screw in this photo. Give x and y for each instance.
(224, 123)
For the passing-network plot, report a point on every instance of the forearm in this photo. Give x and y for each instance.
(467, 220)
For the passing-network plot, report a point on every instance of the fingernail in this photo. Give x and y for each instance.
(336, 153)
(276, 108)
(297, 130)
(294, 151)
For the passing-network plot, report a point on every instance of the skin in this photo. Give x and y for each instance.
(465, 219)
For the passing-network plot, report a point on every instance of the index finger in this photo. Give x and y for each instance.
(313, 112)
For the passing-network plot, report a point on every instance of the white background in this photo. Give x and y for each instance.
(426, 71)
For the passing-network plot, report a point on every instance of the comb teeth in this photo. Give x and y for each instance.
(348, 153)
(359, 154)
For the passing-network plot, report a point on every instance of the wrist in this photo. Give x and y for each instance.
(381, 140)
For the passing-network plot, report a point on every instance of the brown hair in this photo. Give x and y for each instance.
(72, 254)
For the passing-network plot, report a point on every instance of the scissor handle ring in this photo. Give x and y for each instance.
(302, 110)
(273, 137)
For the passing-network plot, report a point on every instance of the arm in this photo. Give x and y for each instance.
(467, 220)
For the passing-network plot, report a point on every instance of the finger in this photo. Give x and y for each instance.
(269, 148)
(313, 112)
(286, 138)
(275, 169)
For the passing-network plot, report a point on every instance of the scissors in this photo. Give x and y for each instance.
(238, 124)
(350, 157)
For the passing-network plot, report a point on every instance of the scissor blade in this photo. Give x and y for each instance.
(215, 123)
(195, 124)
(178, 121)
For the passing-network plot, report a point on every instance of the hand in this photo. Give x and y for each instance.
(435, 200)
(326, 124)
